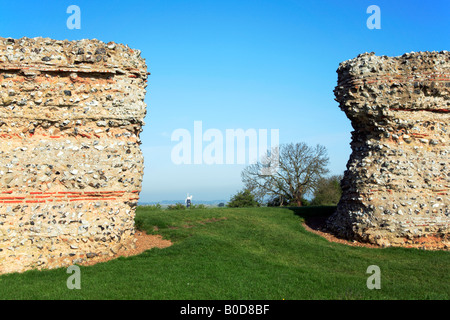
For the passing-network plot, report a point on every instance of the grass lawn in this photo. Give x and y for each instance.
(257, 253)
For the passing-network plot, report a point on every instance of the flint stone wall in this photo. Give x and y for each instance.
(71, 167)
(396, 186)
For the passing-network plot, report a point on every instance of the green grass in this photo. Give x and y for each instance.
(257, 253)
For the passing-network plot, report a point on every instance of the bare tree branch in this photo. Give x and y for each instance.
(297, 171)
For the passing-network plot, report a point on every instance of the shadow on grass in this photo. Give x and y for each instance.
(315, 217)
(313, 211)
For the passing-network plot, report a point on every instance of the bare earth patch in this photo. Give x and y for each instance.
(143, 242)
(317, 225)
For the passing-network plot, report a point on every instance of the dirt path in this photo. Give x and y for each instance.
(143, 242)
(317, 225)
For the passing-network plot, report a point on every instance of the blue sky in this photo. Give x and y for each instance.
(250, 64)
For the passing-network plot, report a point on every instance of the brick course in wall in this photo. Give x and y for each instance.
(396, 186)
(71, 167)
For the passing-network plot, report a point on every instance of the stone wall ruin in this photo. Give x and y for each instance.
(396, 186)
(71, 167)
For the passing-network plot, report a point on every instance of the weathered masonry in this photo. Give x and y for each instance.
(396, 186)
(71, 167)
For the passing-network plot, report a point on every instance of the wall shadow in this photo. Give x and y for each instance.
(315, 216)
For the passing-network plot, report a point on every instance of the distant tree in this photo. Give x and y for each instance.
(277, 201)
(243, 198)
(328, 191)
(221, 205)
(280, 201)
(176, 206)
(198, 206)
(288, 172)
(156, 206)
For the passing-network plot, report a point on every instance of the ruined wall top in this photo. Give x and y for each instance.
(388, 77)
(73, 75)
(368, 64)
(80, 55)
